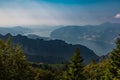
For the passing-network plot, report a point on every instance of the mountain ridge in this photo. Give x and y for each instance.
(91, 36)
(39, 50)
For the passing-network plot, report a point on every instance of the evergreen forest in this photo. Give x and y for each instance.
(15, 66)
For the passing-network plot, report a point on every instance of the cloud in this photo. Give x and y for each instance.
(34, 13)
(40, 12)
(117, 15)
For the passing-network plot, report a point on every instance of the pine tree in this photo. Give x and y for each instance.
(75, 68)
(115, 61)
(13, 63)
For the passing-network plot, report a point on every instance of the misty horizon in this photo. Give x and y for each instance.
(63, 12)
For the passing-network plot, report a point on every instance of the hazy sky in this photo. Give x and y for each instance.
(58, 12)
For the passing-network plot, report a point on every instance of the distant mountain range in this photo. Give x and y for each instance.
(100, 38)
(50, 51)
(14, 30)
(32, 32)
(42, 31)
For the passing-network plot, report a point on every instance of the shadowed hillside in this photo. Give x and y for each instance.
(99, 38)
(51, 51)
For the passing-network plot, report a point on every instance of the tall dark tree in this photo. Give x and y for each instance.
(13, 63)
(75, 68)
(115, 61)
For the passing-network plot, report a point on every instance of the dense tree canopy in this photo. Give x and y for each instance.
(13, 63)
(15, 66)
(115, 61)
(75, 67)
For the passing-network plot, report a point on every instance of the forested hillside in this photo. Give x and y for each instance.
(15, 66)
(49, 51)
(99, 38)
